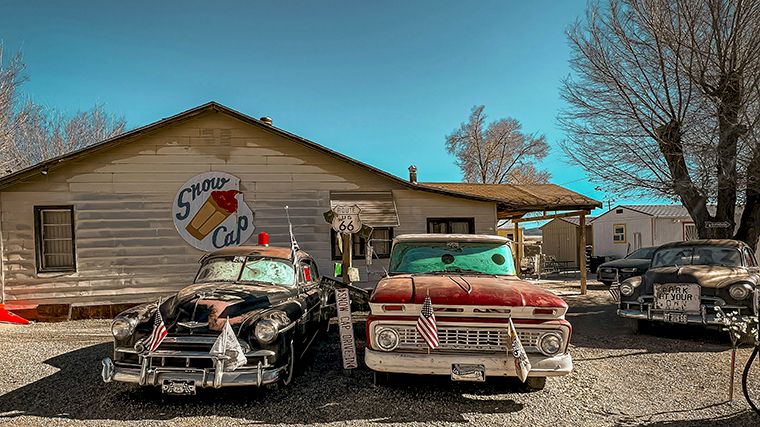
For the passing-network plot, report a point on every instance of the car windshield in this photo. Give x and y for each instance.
(697, 255)
(643, 253)
(452, 257)
(247, 269)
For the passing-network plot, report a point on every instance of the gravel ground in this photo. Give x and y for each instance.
(673, 376)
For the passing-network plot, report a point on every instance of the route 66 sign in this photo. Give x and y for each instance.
(346, 219)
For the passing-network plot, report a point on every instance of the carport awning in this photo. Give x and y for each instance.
(377, 207)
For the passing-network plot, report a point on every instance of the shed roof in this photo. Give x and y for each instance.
(517, 200)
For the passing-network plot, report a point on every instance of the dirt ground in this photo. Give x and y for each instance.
(669, 376)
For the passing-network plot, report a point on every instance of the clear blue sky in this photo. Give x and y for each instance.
(383, 82)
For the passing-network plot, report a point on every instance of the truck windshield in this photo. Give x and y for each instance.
(697, 255)
(452, 257)
(242, 269)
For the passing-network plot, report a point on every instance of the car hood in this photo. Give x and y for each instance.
(507, 291)
(626, 263)
(709, 276)
(212, 304)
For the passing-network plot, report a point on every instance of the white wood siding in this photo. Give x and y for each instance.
(127, 247)
(635, 222)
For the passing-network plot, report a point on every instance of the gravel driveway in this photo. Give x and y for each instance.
(676, 376)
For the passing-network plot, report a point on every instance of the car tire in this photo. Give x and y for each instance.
(535, 383)
(639, 326)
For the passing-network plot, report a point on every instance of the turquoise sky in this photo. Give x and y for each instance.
(383, 82)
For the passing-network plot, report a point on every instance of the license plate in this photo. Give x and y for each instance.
(468, 372)
(678, 297)
(179, 388)
(676, 317)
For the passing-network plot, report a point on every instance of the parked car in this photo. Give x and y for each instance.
(634, 264)
(687, 280)
(272, 302)
(472, 286)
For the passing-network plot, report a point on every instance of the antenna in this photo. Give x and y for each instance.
(293, 243)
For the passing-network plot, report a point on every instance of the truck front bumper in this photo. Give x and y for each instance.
(499, 365)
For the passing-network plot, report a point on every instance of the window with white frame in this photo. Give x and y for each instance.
(618, 233)
(690, 231)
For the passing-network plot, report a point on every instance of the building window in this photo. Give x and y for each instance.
(451, 225)
(618, 233)
(54, 238)
(689, 231)
(380, 240)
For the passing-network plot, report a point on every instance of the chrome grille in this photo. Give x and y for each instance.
(470, 339)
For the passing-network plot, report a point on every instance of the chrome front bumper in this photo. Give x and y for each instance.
(148, 374)
(499, 365)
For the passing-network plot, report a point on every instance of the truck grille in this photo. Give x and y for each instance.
(471, 339)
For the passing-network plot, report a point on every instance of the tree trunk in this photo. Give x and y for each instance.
(730, 131)
(749, 225)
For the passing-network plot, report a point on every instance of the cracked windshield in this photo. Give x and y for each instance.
(454, 257)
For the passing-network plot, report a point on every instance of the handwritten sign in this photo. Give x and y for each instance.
(209, 212)
(346, 219)
(346, 328)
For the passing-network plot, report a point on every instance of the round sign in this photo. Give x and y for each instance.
(346, 219)
(209, 212)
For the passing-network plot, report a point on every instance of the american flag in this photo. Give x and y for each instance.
(426, 325)
(158, 334)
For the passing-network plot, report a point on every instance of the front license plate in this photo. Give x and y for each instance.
(468, 372)
(676, 317)
(178, 388)
(677, 297)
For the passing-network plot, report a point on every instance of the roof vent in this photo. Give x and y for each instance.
(267, 120)
(413, 174)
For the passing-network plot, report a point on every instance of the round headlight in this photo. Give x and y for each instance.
(740, 291)
(626, 289)
(387, 339)
(266, 331)
(550, 343)
(122, 327)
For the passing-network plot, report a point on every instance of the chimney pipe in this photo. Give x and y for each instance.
(413, 174)
(266, 120)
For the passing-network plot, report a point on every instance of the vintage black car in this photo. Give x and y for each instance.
(273, 303)
(634, 264)
(687, 280)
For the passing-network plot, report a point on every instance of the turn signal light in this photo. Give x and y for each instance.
(393, 308)
(543, 311)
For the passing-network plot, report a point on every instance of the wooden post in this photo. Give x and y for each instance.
(582, 251)
(518, 261)
(347, 249)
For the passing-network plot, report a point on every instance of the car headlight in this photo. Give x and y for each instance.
(550, 343)
(387, 339)
(123, 327)
(626, 289)
(266, 330)
(628, 270)
(740, 291)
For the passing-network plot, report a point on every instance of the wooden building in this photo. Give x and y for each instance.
(560, 237)
(95, 228)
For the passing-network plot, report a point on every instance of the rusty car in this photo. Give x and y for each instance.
(474, 292)
(686, 281)
(271, 298)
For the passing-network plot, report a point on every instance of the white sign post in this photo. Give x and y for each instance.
(345, 328)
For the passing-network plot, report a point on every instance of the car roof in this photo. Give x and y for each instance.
(257, 250)
(470, 238)
(726, 243)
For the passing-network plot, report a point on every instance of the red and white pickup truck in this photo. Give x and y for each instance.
(474, 291)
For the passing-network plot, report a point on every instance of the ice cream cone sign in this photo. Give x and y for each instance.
(210, 213)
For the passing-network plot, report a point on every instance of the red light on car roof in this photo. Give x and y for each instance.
(264, 238)
(393, 308)
(543, 311)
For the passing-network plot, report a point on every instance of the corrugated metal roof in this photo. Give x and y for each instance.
(660, 211)
(377, 207)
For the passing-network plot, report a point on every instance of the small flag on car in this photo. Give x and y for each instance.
(159, 332)
(522, 363)
(615, 292)
(227, 345)
(426, 325)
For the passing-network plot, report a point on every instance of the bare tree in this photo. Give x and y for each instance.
(664, 102)
(497, 152)
(31, 133)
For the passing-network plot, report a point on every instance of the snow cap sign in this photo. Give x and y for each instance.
(209, 212)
